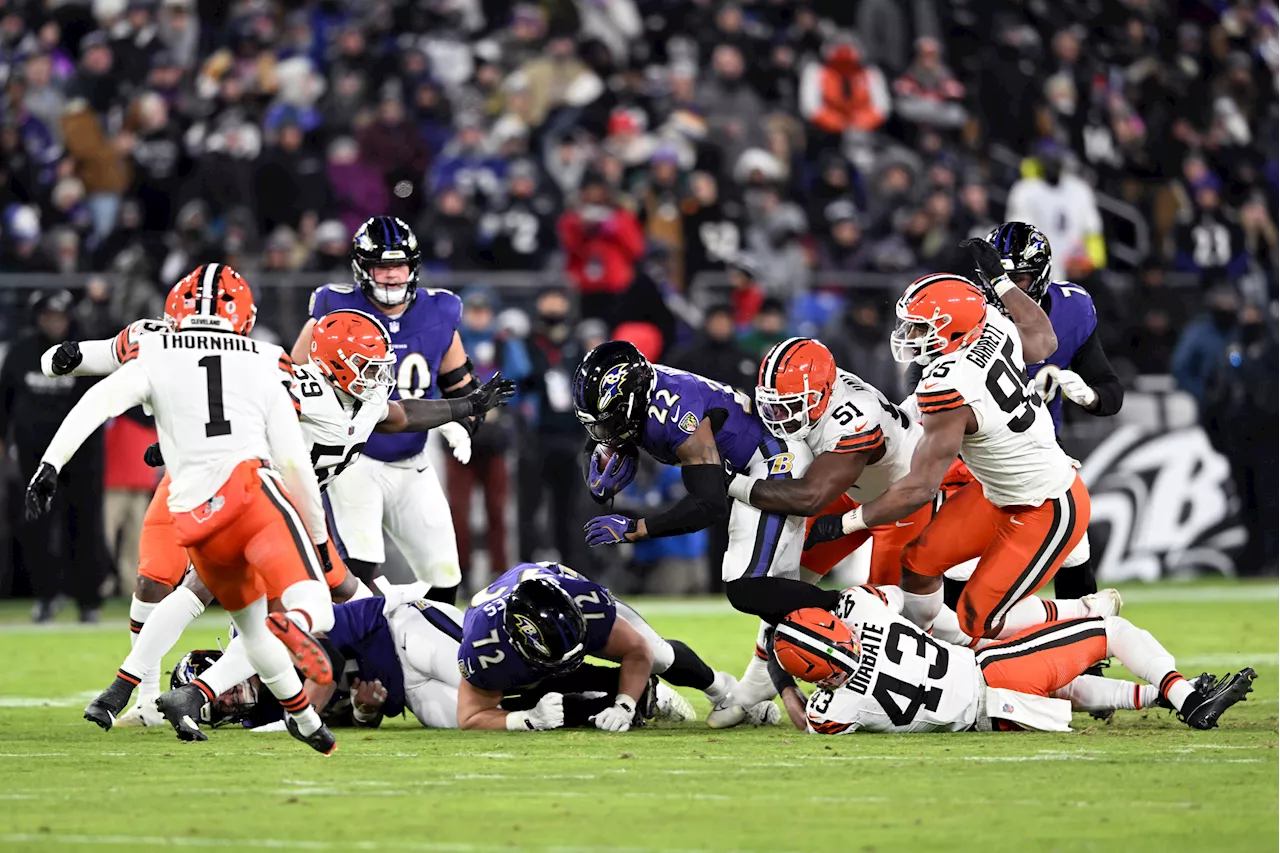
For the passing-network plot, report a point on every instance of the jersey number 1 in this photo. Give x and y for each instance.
(218, 423)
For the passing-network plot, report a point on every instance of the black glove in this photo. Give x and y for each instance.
(152, 455)
(496, 392)
(325, 563)
(988, 260)
(826, 528)
(66, 358)
(40, 491)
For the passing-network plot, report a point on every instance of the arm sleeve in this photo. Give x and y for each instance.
(98, 359)
(1093, 366)
(704, 505)
(289, 453)
(116, 394)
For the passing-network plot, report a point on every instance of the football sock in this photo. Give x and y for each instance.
(755, 686)
(229, 670)
(946, 627)
(1093, 693)
(688, 670)
(159, 634)
(1143, 655)
(921, 610)
(271, 661)
(719, 687)
(309, 605)
(139, 611)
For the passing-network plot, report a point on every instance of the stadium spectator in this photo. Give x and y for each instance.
(928, 93)
(856, 340)
(333, 248)
(767, 328)
(1204, 340)
(602, 242)
(842, 93)
(1063, 206)
(129, 483)
(289, 188)
(448, 232)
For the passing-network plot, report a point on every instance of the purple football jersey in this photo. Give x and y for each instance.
(361, 633)
(1070, 309)
(679, 402)
(419, 338)
(486, 658)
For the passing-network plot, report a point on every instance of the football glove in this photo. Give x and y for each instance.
(326, 564)
(1046, 382)
(496, 392)
(547, 714)
(606, 479)
(40, 491)
(609, 529)
(152, 455)
(826, 528)
(66, 358)
(459, 439)
(990, 267)
(1075, 389)
(618, 716)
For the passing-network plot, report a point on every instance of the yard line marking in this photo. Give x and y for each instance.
(1231, 659)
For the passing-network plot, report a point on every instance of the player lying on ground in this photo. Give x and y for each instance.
(341, 398)
(390, 654)
(627, 405)
(230, 458)
(877, 672)
(538, 621)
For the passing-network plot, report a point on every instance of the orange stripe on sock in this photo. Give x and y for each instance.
(1137, 697)
(1050, 611)
(132, 679)
(135, 626)
(205, 689)
(296, 703)
(760, 653)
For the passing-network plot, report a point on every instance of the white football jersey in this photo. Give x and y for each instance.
(906, 681)
(1014, 453)
(860, 418)
(336, 426)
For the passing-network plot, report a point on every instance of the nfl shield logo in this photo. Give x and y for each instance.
(351, 430)
(394, 326)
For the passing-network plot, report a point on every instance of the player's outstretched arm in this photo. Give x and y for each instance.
(422, 415)
(943, 433)
(1098, 390)
(635, 658)
(1038, 338)
(79, 358)
(825, 480)
(707, 501)
(478, 710)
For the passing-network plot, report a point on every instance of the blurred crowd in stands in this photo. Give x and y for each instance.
(631, 148)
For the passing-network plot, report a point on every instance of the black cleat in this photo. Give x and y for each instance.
(104, 710)
(647, 704)
(182, 707)
(1228, 690)
(321, 740)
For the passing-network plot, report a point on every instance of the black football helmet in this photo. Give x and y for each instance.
(545, 625)
(1025, 251)
(245, 704)
(611, 391)
(385, 241)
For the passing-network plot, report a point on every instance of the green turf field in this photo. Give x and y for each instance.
(1146, 782)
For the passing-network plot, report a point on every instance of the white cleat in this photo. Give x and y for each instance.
(764, 714)
(1104, 602)
(671, 706)
(143, 713)
(727, 713)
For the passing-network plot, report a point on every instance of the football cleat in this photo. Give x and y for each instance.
(1228, 690)
(181, 707)
(1103, 603)
(727, 713)
(321, 740)
(671, 707)
(764, 714)
(143, 713)
(104, 710)
(307, 654)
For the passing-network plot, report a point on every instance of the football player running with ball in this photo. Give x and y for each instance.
(877, 672)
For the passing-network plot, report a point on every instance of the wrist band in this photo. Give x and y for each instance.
(1003, 285)
(518, 721)
(740, 488)
(852, 521)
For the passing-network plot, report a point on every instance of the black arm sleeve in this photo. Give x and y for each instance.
(912, 377)
(706, 503)
(1092, 365)
(773, 598)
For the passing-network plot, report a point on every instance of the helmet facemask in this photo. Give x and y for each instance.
(372, 377)
(388, 295)
(917, 338)
(788, 416)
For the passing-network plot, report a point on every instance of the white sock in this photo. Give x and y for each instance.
(719, 687)
(362, 591)
(1095, 693)
(271, 661)
(229, 670)
(922, 610)
(755, 686)
(946, 627)
(1143, 655)
(159, 635)
(139, 612)
(1058, 608)
(312, 599)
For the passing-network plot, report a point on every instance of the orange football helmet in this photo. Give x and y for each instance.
(937, 315)
(794, 386)
(813, 645)
(212, 297)
(353, 351)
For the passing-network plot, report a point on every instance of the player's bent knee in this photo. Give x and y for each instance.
(311, 598)
(663, 656)
(150, 590)
(193, 583)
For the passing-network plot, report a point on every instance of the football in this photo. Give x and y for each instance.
(608, 451)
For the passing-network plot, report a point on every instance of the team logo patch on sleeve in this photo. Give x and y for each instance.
(532, 634)
(689, 423)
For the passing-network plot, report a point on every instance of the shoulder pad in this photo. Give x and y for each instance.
(340, 288)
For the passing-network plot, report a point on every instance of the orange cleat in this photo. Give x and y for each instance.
(308, 656)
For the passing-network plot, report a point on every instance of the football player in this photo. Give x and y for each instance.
(877, 672)
(536, 623)
(243, 497)
(341, 397)
(391, 486)
(1027, 508)
(707, 429)
(1078, 368)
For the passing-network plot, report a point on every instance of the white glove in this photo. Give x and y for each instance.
(1046, 382)
(398, 594)
(616, 718)
(459, 440)
(547, 714)
(1075, 389)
